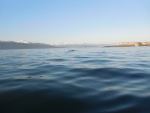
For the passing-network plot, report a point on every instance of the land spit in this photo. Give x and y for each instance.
(130, 44)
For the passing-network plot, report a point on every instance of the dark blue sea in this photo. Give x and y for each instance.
(75, 80)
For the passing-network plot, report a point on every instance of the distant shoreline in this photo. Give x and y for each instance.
(130, 44)
(15, 45)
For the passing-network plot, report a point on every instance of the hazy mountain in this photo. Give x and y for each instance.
(22, 45)
(76, 45)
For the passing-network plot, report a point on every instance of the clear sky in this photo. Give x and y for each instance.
(75, 21)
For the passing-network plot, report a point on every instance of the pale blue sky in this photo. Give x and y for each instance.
(75, 21)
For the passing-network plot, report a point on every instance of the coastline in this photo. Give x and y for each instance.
(130, 44)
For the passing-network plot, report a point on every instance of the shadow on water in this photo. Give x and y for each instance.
(21, 101)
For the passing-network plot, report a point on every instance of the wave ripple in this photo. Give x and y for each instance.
(88, 80)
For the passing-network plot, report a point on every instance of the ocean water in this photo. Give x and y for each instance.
(75, 80)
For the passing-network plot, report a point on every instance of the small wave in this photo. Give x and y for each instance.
(90, 80)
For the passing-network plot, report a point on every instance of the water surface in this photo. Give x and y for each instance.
(86, 80)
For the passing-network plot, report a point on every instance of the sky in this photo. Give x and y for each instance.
(75, 21)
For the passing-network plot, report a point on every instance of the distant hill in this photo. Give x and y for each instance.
(78, 45)
(23, 45)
